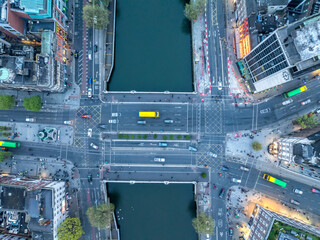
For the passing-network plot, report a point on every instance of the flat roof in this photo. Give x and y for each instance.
(12, 198)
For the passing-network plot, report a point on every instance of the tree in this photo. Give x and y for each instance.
(102, 3)
(100, 216)
(306, 121)
(6, 102)
(70, 229)
(203, 224)
(200, 6)
(4, 155)
(256, 146)
(193, 9)
(96, 16)
(32, 103)
(203, 175)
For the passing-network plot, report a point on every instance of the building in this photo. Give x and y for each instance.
(290, 52)
(293, 150)
(262, 220)
(31, 208)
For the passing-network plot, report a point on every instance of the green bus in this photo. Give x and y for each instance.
(9, 144)
(274, 180)
(295, 92)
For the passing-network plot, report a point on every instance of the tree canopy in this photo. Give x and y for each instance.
(100, 216)
(306, 121)
(4, 155)
(256, 146)
(6, 102)
(203, 224)
(70, 229)
(32, 103)
(102, 3)
(96, 16)
(193, 9)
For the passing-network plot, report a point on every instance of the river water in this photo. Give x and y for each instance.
(153, 47)
(154, 211)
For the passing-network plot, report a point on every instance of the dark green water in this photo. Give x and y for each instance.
(153, 47)
(154, 211)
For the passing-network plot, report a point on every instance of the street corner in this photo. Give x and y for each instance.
(237, 88)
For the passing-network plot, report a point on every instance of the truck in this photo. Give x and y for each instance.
(149, 114)
(274, 180)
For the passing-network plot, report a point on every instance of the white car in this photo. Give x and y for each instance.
(298, 191)
(266, 110)
(28, 119)
(89, 92)
(287, 101)
(90, 132)
(68, 122)
(115, 114)
(244, 168)
(305, 102)
(96, 147)
(211, 154)
(90, 55)
(113, 121)
(220, 85)
(235, 180)
(159, 159)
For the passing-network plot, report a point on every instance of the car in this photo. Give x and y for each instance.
(89, 92)
(266, 110)
(113, 121)
(95, 48)
(30, 119)
(76, 54)
(90, 55)
(221, 193)
(90, 80)
(294, 202)
(90, 132)
(298, 191)
(287, 101)
(305, 102)
(207, 236)
(70, 122)
(89, 177)
(142, 122)
(219, 85)
(103, 126)
(85, 116)
(96, 147)
(244, 168)
(163, 144)
(314, 190)
(115, 114)
(192, 149)
(224, 168)
(168, 121)
(317, 111)
(235, 180)
(230, 232)
(211, 154)
(159, 159)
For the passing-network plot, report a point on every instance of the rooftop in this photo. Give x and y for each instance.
(12, 198)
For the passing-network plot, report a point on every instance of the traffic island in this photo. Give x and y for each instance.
(147, 137)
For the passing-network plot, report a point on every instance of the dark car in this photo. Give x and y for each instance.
(224, 168)
(103, 126)
(221, 193)
(90, 80)
(90, 178)
(76, 54)
(95, 48)
(230, 232)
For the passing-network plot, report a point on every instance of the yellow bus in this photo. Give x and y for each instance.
(149, 114)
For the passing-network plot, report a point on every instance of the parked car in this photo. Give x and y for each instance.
(159, 159)
(211, 154)
(287, 101)
(244, 168)
(266, 110)
(114, 121)
(295, 202)
(298, 191)
(163, 144)
(221, 193)
(85, 116)
(103, 126)
(314, 190)
(305, 102)
(192, 149)
(168, 121)
(89, 92)
(235, 180)
(96, 147)
(30, 119)
(90, 132)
